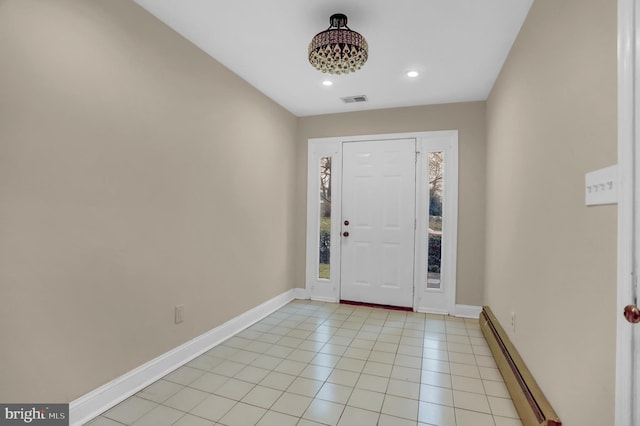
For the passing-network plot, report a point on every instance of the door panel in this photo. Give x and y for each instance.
(378, 201)
(628, 335)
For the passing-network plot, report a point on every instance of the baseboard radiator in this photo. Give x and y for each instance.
(532, 406)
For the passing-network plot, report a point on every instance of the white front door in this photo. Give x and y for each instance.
(378, 221)
(383, 188)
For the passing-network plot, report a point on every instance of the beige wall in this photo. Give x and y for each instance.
(136, 173)
(469, 120)
(551, 117)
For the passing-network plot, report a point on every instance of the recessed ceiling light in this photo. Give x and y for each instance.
(413, 74)
(328, 83)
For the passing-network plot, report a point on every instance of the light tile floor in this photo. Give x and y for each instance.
(314, 363)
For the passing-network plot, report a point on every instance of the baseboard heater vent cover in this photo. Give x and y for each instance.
(532, 406)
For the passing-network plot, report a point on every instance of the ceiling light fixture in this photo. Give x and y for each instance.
(413, 74)
(338, 50)
(328, 83)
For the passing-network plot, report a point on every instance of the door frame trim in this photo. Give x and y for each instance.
(628, 207)
(324, 290)
(443, 302)
(328, 290)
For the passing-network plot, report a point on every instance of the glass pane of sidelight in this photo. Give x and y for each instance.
(325, 218)
(436, 198)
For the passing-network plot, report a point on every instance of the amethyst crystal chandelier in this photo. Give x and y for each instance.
(338, 50)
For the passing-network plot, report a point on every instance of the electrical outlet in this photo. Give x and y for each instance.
(513, 322)
(179, 314)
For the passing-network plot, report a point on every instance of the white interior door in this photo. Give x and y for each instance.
(378, 221)
(628, 326)
(635, 291)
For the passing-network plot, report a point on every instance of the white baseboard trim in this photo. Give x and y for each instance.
(432, 311)
(301, 293)
(324, 299)
(468, 311)
(101, 399)
(461, 311)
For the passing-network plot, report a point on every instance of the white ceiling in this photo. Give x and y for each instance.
(458, 46)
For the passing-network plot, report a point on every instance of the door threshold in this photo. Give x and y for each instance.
(375, 305)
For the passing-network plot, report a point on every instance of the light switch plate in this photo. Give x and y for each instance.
(601, 186)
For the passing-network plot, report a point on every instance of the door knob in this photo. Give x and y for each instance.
(345, 234)
(632, 314)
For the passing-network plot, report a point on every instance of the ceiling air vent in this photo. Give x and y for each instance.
(352, 99)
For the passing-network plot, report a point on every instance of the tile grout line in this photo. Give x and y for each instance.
(392, 329)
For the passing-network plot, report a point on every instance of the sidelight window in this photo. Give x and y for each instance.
(436, 199)
(324, 249)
